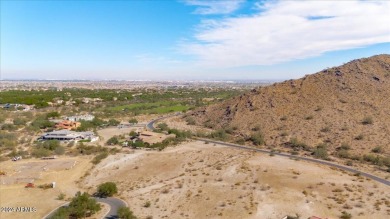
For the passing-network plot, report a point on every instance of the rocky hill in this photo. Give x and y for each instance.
(348, 104)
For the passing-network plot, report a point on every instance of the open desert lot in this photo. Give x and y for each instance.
(64, 171)
(198, 180)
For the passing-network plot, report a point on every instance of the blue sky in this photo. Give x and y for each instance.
(187, 39)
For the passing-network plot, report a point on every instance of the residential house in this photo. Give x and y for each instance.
(66, 135)
(66, 124)
(86, 117)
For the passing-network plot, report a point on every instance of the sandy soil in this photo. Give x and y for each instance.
(107, 133)
(197, 180)
(59, 171)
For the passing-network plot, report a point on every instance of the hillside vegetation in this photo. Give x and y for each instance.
(345, 108)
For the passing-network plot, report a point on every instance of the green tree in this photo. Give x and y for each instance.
(19, 121)
(113, 122)
(133, 121)
(54, 114)
(8, 127)
(113, 141)
(220, 134)
(51, 144)
(125, 213)
(257, 138)
(321, 152)
(163, 126)
(107, 189)
(42, 123)
(83, 205)
(133, 133)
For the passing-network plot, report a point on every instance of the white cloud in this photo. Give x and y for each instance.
(215, 6)
(288, 30)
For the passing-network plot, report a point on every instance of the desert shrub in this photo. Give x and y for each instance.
(343, 101)
(297, 145)
(19, 121)
(42, 123)
(386, 161)
(98, 158)
(107, 189)
(125, 213)
(113, 122)
(8, 127)
(181, 135)
(8, 140)
(374, 159)
(41, 152)
(309, 117)
(163, 126)
(367, 120)
(82, 149)
(321, 152)
(190, 121)
(147, 204)
(113, 141)
(345, 215)
(138, 144)
(83, 205)
(53, 114)
(377, 149)
(359, 137)
(220, 134)
(133, 134)
(257, 138)
(16, 153)
(293, 217)
(240, 141)
(61, 196)
(91, 125)
(343, 153)
(50, 144)
(256, 128)
(208, 124)
(345, 146)
(133, 121)
(325, 129)
(230, 130)
(284, 134)
(59, 150)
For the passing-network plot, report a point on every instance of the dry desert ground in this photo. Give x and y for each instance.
(64, 171)
(198, 180)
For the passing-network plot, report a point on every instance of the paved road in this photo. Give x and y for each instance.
(114, 203)
(150, 125)
(349, 169)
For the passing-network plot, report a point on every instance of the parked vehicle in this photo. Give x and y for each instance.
(16, 158)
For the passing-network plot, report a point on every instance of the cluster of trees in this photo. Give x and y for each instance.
(40, 98)
(95, 123)
(47, 148)
(7, 140)
(83, 205)
(107, 189)
(180, 136)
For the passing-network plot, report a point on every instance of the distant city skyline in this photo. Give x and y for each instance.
(187, 39)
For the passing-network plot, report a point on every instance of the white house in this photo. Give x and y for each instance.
(66, 135)
(86, 117)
